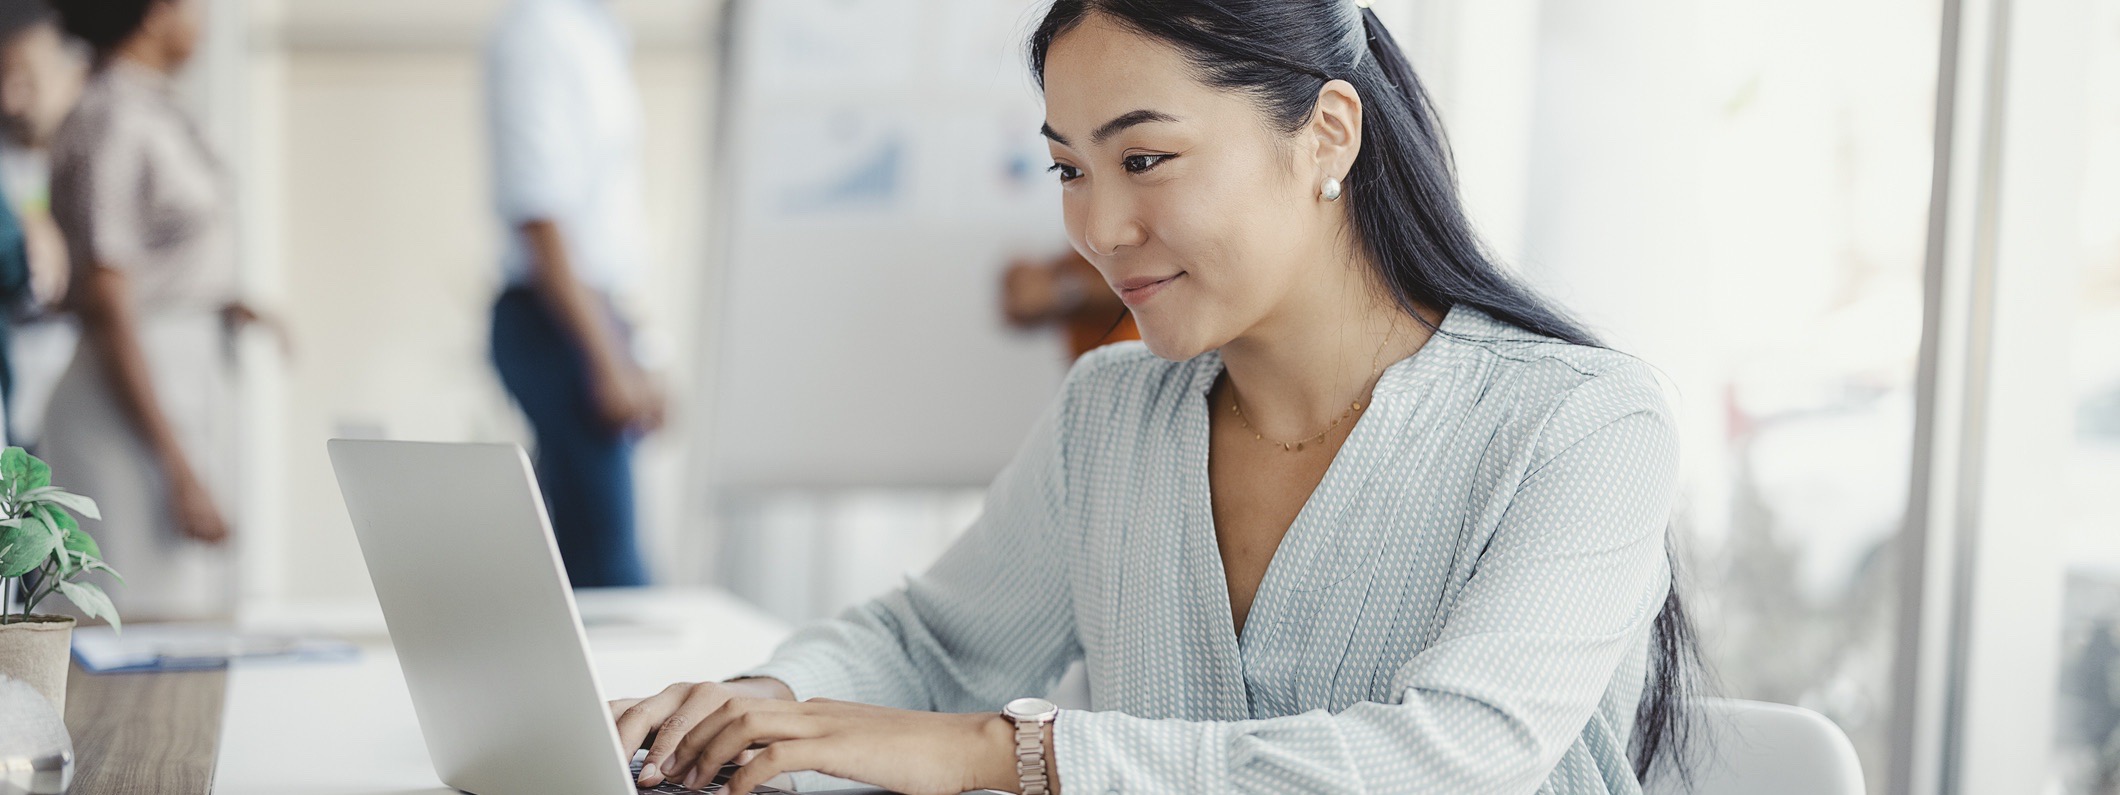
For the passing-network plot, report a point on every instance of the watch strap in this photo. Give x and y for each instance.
(1030, 758)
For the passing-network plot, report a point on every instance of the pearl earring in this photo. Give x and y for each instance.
(1331, 191)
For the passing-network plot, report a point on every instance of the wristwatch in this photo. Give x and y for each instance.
(1031, 716)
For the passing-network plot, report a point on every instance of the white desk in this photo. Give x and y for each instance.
(348, 728)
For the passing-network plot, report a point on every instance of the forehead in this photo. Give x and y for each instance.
(1100, 70)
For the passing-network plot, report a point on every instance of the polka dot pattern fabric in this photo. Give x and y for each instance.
(1463, 606)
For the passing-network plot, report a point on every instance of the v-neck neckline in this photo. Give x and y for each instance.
(1353, 464)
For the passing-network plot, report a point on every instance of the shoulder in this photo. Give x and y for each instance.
(106, 127)
(91, 119)
(1566, 390)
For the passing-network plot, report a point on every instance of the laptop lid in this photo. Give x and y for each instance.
(479, 608)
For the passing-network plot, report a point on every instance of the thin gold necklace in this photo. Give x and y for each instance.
(1353, 408)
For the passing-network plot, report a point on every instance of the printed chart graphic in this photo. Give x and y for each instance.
(884, 182)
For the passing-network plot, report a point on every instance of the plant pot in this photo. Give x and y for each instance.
(36, 650)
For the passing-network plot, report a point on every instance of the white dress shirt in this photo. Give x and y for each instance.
(565, 123)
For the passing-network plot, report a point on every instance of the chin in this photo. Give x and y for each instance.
(1169, 340)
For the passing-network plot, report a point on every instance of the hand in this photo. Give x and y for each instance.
(629, 400)
(237, 316)
(49, 269)
(664, 716)
(656, 403)
(194, 509)
(918, 753)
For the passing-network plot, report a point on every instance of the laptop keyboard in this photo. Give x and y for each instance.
(674, 788)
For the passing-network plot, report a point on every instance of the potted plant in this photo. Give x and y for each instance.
(43, 552)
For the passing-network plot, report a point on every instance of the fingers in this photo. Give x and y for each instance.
(658, 410)
(740, 725)
(687, 762)
(651, 406)
(638, 720)
(205, 524)
(196, 513)
(618, 707)
(216, 527)
(614, 405)
(701, 700)
(781, 757)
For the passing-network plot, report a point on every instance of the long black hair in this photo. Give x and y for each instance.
(103, 24)
(1407, 217)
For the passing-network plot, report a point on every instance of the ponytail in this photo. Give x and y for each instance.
(1406, 208)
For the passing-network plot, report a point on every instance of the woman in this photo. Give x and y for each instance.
(40, 78)
(141, 418)
(1362, 514)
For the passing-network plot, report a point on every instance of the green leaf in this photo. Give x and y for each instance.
(58, 538)
(23, 471)
(98, 565)
(82, 553)
(58, 496)
(81, 544)
(14, 465)
(91, 600)
(71, 539)
(23, 549)
(39, 475)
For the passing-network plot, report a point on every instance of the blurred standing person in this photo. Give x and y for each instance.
(14, 292)
(565, 124)
(142, 419)
(40, 79)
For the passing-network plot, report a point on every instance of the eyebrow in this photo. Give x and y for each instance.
(1111, 128)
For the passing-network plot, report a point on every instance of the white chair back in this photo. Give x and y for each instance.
(1757, 748)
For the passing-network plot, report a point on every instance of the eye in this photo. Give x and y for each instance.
(1141, 164)
(1067, 173)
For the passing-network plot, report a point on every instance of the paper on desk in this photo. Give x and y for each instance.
(190, 647)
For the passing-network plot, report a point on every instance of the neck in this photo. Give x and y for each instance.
(143, 51)
(1321, 351)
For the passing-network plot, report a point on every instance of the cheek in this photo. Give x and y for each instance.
(1232, 231)
(1225, 292)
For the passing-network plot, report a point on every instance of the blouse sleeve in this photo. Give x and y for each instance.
(1565, 590)
(989, 622)
(101, 182)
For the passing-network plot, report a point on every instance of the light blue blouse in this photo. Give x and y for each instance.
(1463, 606)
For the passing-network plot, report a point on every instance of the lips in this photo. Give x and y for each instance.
(1139, 289)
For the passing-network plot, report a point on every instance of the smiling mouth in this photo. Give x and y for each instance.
(1136, 291)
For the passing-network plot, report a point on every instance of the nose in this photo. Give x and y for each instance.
(1109, 222)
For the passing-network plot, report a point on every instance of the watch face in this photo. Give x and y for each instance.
(1030, 709)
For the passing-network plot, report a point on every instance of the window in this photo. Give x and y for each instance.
(1739, 194)
(2087, 729)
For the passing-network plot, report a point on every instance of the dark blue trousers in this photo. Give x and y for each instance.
(584, 468)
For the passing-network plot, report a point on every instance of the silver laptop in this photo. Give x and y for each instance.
(462, 555)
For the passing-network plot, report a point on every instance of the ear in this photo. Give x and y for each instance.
(160, 14)
(157, 15)
(1336, 129)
